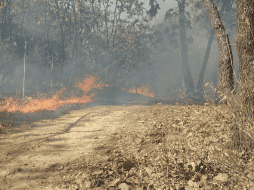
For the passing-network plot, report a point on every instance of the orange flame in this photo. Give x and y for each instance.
(143, 89)
(55, 102)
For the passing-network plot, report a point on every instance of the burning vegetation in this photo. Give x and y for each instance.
(64, 96)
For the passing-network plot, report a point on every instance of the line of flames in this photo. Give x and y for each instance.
(53, 103)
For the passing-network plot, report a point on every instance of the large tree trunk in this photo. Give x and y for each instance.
(189, 84)
(226, 82)
(245, 46)
(208, 49)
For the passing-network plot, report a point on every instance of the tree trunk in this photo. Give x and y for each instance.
(107, 42)
(245, 46)
(205, 61)
(4, 24)
(61, 25)
(9, 20)
(226, 82)
(62, 55)
(226, 5)
(189, 84)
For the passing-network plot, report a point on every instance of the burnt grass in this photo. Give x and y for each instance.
(167, 146)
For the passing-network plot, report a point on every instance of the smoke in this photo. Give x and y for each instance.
(164, 75)
(12, 83)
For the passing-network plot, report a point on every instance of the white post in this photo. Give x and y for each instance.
(24, 72)
(51, 82)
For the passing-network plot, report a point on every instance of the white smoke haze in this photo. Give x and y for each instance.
(164, 75)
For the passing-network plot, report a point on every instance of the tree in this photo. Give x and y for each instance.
(245, 46)
(183, 23)
(226, 81)
(189, 84)
(77, 32)
(227, 7)
(226, 62)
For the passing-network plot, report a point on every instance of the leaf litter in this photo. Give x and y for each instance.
(166, 147)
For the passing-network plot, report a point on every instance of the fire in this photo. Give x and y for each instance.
(89, 83)
(143, 90)
(55, 102)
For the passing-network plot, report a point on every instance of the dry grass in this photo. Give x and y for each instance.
(206, 146)
(183, 146)
(177, 147)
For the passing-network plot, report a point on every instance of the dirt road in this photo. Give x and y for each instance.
(125, 147)
(27, 156)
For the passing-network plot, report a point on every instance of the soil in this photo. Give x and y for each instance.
(117, 147)
(28, 158)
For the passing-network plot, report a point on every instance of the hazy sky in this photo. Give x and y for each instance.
(164, 6)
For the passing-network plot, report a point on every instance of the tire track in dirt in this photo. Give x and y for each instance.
(26, 156)
(25, 145)
(73, 124)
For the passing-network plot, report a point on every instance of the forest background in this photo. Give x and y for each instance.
(49, 44)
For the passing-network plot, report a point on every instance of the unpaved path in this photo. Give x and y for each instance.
(26, 155)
